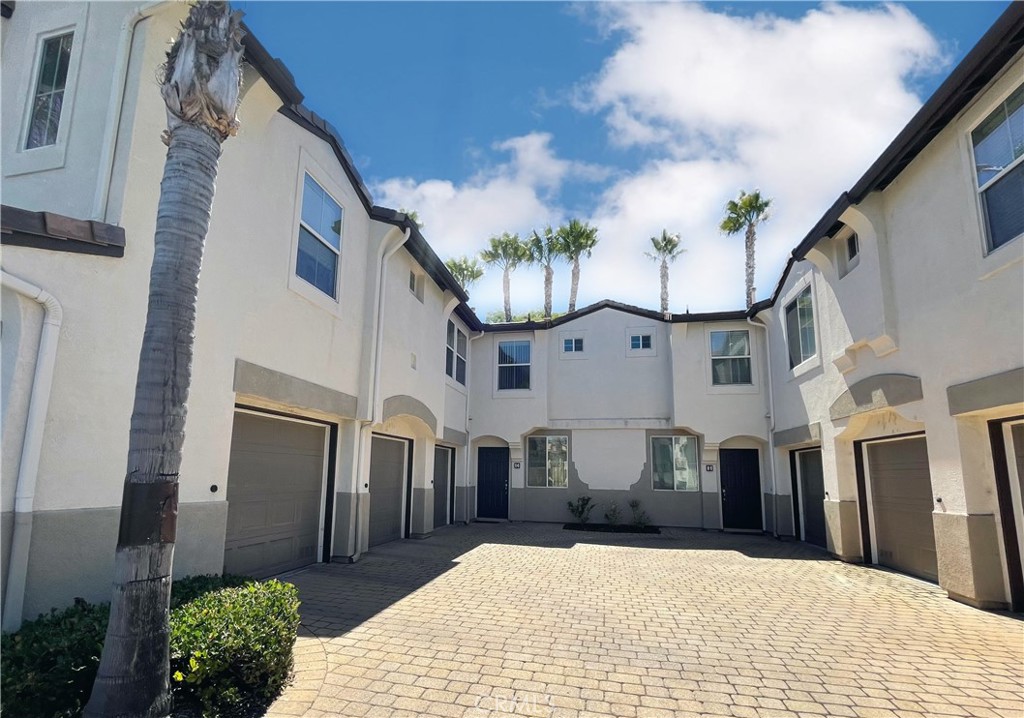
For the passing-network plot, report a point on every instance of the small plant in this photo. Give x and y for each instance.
(612, 514)
(581, 508)
(640, 517)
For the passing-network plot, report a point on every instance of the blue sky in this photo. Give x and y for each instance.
(490, 117)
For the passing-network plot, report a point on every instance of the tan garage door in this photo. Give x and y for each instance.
(387, 487)
(274, 486)
(901, 504)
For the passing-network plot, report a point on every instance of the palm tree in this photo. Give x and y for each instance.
(414, 216)
(465, 270)
(543, 252)
(666, 249)
(200, 86)
(744, 214)
(578, 239)
(506, 252)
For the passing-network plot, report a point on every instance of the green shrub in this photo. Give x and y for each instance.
(640, 517)
(47, 668)
(192, 587)
(231, 650)
(612, 514)
(581, 508)
(247, 629)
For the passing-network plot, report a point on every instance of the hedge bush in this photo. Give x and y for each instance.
(47, 668)
(231, 650)
(234, 630)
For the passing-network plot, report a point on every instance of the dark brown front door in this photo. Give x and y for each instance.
(741, 489)
(812, 496)
(492, 482)
(443, 467)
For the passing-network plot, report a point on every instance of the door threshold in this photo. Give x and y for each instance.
(487, 520)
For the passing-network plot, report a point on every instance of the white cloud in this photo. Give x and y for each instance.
(796, 107)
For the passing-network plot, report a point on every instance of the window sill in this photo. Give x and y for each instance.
(563, 488)
(310, 293)
(461, 388)
(512, 394)
(805, 366)
(996, 260)
(733, 389)
(40, 159)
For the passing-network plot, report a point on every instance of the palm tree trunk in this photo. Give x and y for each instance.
(750, 238)
(506, 287)
(664, 286)
(549, 279)
(575, 283)
(133, 675)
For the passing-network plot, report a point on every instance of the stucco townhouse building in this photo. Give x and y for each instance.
(345, 395)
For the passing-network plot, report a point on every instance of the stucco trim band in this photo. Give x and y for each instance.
(876, 392)
(454, 436)
(987, 392)
(806, 434)
(254, 380)
(404, 404)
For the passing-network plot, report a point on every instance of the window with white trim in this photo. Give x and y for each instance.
(849, 253)
(514, 364)
(674, 463)
(572, 345)
(800, 328)
(547, 462)
(998, 144)
(640, 341)
(455, 354)
(319, 238)
(48, 99)
(730, 357)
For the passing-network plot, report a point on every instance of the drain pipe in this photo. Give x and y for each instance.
(377, 331)
(770, 419)
(31, 445)
(469, 432)
(114, 109)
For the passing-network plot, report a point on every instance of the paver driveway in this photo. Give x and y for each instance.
(531, 620)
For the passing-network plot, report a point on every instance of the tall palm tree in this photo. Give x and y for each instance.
(667, 248)
(506, 252)
(743, 215)
(544, 251)
(578, 239)
(200, 86)
(466, 271)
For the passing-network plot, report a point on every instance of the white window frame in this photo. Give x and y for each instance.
(497, 366)
(794, 294)
(547, 464)
(844, 262)
(574, 353)
(452, 345)
(18, 160)
(980, 190)
(642, 331)
(696, 463)
(343, 197)
(750, 387)
(416, 284)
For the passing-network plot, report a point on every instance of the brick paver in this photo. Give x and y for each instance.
(530, 620)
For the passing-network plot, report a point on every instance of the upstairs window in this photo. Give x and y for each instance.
(800, 328)
(547, 462)
(730, 357)
(573, 345)
(674, 463)
(999, 169)
(514, 365)
(639, 341)
(455, 354)
(319, 238)
(849, 254)
(49, 92)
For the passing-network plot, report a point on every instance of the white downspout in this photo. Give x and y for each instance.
(770, 417)
(377, 332)
(31, 445)
(469, 426)
(114, 109)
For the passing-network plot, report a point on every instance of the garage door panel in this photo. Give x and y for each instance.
(274, 491)
(387, 487)
(901, 503)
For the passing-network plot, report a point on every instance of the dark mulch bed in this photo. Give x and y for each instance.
(616, 529)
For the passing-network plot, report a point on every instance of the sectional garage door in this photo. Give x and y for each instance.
(901, 506)
(275, 482)
(387, 487)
